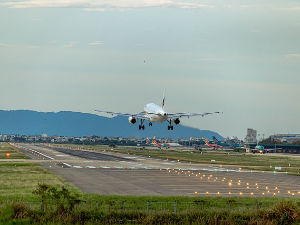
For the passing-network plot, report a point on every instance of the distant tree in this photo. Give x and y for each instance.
(270, 141)
(112, 145)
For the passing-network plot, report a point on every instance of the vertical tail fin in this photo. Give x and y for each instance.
(163, 101)
(206, 142)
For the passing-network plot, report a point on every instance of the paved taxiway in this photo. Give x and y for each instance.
(111, 173)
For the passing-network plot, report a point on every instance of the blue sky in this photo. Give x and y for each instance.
(242, 57)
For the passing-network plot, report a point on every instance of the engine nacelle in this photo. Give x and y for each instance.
(176, 121)
(132, 120)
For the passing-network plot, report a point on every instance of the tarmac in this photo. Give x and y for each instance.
(112, 173)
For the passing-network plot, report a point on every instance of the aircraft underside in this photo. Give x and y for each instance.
(142, 126)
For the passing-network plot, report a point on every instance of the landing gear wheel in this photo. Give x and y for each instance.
(150, 124)
(172, 127)
(140, 127)
(143, 127)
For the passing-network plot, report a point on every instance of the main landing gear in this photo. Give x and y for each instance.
(142, 127)
(170, 126)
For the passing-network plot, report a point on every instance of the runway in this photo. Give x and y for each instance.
(111, 173)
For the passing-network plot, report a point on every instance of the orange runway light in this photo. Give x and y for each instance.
(7, 154)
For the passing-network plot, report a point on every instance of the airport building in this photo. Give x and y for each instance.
(251, 136)
(286, 138)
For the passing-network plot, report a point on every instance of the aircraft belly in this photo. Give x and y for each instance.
(157, 119)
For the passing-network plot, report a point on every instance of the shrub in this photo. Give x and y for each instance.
(283, 213)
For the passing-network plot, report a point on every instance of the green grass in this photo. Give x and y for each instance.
(6, 148)
(259, 162)
(19, 179)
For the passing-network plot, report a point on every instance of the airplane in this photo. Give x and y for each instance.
(228, 143)
(156, 113)
(165, 145)
(261, 149)
(216, 141)
(214, 146)
(159, 145)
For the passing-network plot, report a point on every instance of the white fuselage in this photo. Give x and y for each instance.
(155, 113)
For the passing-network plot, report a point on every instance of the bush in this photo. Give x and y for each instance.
(283, 213)
(239, 150)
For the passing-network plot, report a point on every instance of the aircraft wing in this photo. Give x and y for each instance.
(139, 115)
(179, 115)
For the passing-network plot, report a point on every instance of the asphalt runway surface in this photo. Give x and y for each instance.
(111, 173)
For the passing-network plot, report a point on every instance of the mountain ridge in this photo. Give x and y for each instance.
(78, 124)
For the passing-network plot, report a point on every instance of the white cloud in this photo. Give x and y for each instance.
(293, 56)
(32, 46)
(290, 9)
(214, 59)
(105, 4)
(69, 45)
(96, 43)
(231, 7)
(6, 45)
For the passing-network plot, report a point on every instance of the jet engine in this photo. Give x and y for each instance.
(132, 120)
(176, 121)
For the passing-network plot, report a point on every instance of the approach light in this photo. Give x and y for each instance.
(7, 154)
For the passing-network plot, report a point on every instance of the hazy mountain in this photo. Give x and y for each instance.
(78, 124)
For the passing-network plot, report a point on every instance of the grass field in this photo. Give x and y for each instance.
(19, 178)
(266, 162)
